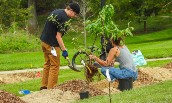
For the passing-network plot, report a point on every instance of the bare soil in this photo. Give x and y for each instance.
(6, 97)
(69, 90)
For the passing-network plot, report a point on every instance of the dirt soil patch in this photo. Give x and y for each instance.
(6, 97)
(18, 77)
(69, 90)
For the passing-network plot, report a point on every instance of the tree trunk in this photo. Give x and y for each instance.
(145, 26)
(33, 24)
(84, 18)
(83, 6)
(145, 23)
(102, 3)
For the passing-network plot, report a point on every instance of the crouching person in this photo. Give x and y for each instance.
(119, 53)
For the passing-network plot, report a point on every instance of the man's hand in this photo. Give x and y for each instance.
(65, 54)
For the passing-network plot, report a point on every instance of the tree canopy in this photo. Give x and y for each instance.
(133, 10)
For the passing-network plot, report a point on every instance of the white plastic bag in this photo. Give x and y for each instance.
(53, 51)
(108, 75)
(138, 58)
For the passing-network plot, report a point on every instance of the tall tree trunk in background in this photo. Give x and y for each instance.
(145, 23)
(84, 18)
(145, 26)
(33, 24)
(102, 3)
(83, 6)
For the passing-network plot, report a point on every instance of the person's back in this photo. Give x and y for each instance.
(52, 43)
(125, 59)
(55, 22)
(121, 54)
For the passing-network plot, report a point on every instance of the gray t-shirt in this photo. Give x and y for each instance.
(125, 59)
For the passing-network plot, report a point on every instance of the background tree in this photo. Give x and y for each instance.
(138, 10)
(132, 10)
(104, 25)
(89, 10)
(33, 24)
(103, 2)
(11, 11)
(84, 6)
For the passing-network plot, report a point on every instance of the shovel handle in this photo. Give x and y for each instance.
(68, 60)
(70, 65)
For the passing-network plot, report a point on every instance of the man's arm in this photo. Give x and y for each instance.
(60, 41)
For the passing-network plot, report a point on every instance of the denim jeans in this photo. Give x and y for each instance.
(116, 73)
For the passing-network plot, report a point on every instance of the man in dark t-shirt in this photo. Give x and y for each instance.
(52, 42)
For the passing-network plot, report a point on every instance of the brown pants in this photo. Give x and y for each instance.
(51, 66)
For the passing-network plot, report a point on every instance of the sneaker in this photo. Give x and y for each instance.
(43, 88)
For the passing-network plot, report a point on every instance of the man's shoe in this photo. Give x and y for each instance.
(43, 88)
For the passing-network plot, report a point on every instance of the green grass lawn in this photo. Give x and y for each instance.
(158, 63)
(158, 49)
(151, 37)
(17, 61)
(156, 93)
(152, 45)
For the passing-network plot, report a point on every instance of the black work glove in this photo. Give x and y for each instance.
(65, 54)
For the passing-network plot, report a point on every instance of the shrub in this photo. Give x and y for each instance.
(18, 41)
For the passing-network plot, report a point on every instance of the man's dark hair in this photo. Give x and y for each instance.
(75, 7)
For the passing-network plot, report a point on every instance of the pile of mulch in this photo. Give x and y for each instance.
(6, 97)
(51, 96)
(66, 92)
(144, 78)
(25, 74)
(17, 77)
(168, 66)
(78, 86)
(158, 74)
(1, 82)
(147, 76)
(104, 86)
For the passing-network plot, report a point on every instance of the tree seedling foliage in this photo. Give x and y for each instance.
(105, 26)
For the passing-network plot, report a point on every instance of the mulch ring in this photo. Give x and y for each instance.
(1, 82)
(18, 77)
(147, 76)
(78, 86)
(6, 97)
(168, 66)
